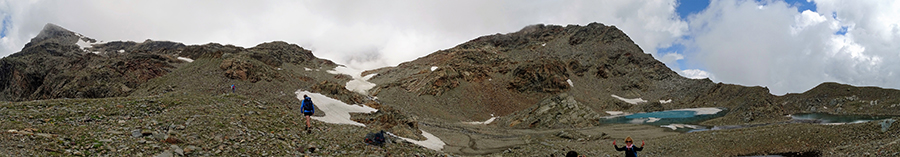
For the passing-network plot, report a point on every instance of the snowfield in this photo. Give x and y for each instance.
(676, 126)
(359, 84)
(186, 59)
(634, 101)
(488, 121)
(336, 112)
(702, 111)
(431, 142)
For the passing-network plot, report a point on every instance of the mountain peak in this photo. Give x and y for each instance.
(56, 33)
(53, 33)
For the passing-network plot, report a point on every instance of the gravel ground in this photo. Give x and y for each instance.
(222, 125)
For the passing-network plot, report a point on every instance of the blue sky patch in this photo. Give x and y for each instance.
(687, 7)
(5, 26)
(802, 5)
(842, 31)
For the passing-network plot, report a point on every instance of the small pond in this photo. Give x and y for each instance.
(814, 118)
(826, 118)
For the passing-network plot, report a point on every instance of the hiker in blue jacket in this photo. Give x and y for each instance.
(308, 109)
(630, 149)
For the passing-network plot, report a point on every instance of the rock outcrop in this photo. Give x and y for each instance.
(561, 111)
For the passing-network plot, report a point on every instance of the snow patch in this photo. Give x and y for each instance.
(676, 126)
(644, 120)
(702, 111)
(186, 59)
(570, 82)
(307, 69)
(665, 101)
(434, 68)
(431, 142)
(336, 112)
(83, 44)
(634, 101)
(121, 51)
(359, 84)
(544, 44)
(615, 113)
(488, 121)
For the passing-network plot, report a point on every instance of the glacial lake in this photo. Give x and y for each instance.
(681, 120)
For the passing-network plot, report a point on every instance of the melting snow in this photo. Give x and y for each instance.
(83, 44)
(544, 44)
(121, 51)
(431, 142)
(615, 112)
(336, 112)
(488, 121)
(665, 101)
(434, 68)
(186, 59)
(570, 82)
(644, 120)
(630, 101)
(676, 126)
(358, 84)
(702, 111)
(307, 69)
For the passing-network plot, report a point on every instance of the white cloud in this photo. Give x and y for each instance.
(671, 58)
(695, 74)
(790, 51)
(360, 34)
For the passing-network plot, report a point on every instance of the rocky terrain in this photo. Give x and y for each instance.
(540, 91)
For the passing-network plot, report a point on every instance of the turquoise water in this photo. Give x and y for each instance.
(664, 117)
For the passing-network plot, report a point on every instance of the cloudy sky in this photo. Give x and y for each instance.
(788, 46)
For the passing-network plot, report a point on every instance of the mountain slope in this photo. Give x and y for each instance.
(504, 73)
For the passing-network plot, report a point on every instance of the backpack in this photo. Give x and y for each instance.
(307, 105)
(375, 138)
